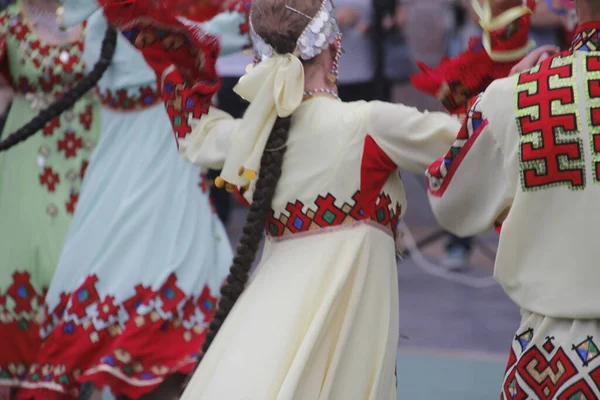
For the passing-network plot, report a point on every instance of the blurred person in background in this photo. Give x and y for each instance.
(546, 29)
(427, 26)
(357, 65)
(398, 62)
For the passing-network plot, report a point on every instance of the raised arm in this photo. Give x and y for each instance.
(468, 188)
(410, 138)
(182, 47)
(208, 143)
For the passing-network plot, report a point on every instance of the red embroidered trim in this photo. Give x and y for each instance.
(131, 345)
(455, 162)
(121, 100)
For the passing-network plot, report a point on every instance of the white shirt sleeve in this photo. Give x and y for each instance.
(412, 139)
(208, 143)
(468, 189)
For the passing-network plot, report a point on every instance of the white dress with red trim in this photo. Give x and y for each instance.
(140, 272)
(529, 155)
(319, 319)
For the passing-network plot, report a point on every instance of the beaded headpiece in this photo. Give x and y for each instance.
(321, 32)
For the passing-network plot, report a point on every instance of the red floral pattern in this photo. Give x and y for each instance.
(51, 126)
(49, 179)
(70, 144)
(72, 203)
(122, 100)
(95, 337)
(18, 323)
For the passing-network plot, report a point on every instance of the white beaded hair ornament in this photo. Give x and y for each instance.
(321, 32)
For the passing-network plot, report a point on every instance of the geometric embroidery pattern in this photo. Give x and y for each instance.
(525, 338)
(587, 351)
(547, 371)
(548, 345)
(551, 151)
(299, 219)
(122, 100)
(111, 336)
(545, 376)
(438, 171)
(592, 71)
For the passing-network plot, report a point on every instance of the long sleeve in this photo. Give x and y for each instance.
(410, 138)
(208, 143)
(468, 189)
(176, 49)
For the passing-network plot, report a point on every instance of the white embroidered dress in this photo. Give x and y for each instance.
(319, 319)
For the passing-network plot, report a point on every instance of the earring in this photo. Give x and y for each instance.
(333, 75)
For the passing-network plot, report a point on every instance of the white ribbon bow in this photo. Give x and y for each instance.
(274, 88)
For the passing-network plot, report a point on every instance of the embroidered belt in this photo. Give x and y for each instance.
(326, 215)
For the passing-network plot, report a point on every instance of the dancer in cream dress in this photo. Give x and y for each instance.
(319, 318)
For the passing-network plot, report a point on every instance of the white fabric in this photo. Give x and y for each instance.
(546, 259)
(319, 319)
(275, 87)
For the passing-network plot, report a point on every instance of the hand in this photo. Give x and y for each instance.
(534, 58)
(346, 16)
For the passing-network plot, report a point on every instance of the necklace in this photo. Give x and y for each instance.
(314, 92)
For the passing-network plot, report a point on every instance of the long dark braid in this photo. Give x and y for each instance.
(270, 172)
(70, 98)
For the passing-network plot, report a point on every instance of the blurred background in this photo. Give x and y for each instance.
(457, 324)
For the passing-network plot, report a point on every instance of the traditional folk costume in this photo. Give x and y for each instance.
(40, 180)
(528, 157)
(319, 319)
(139, 276)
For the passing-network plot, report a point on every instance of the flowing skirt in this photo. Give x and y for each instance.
(318, 321)
(138, 278)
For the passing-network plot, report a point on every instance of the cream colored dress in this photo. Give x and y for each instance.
(319, 319)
